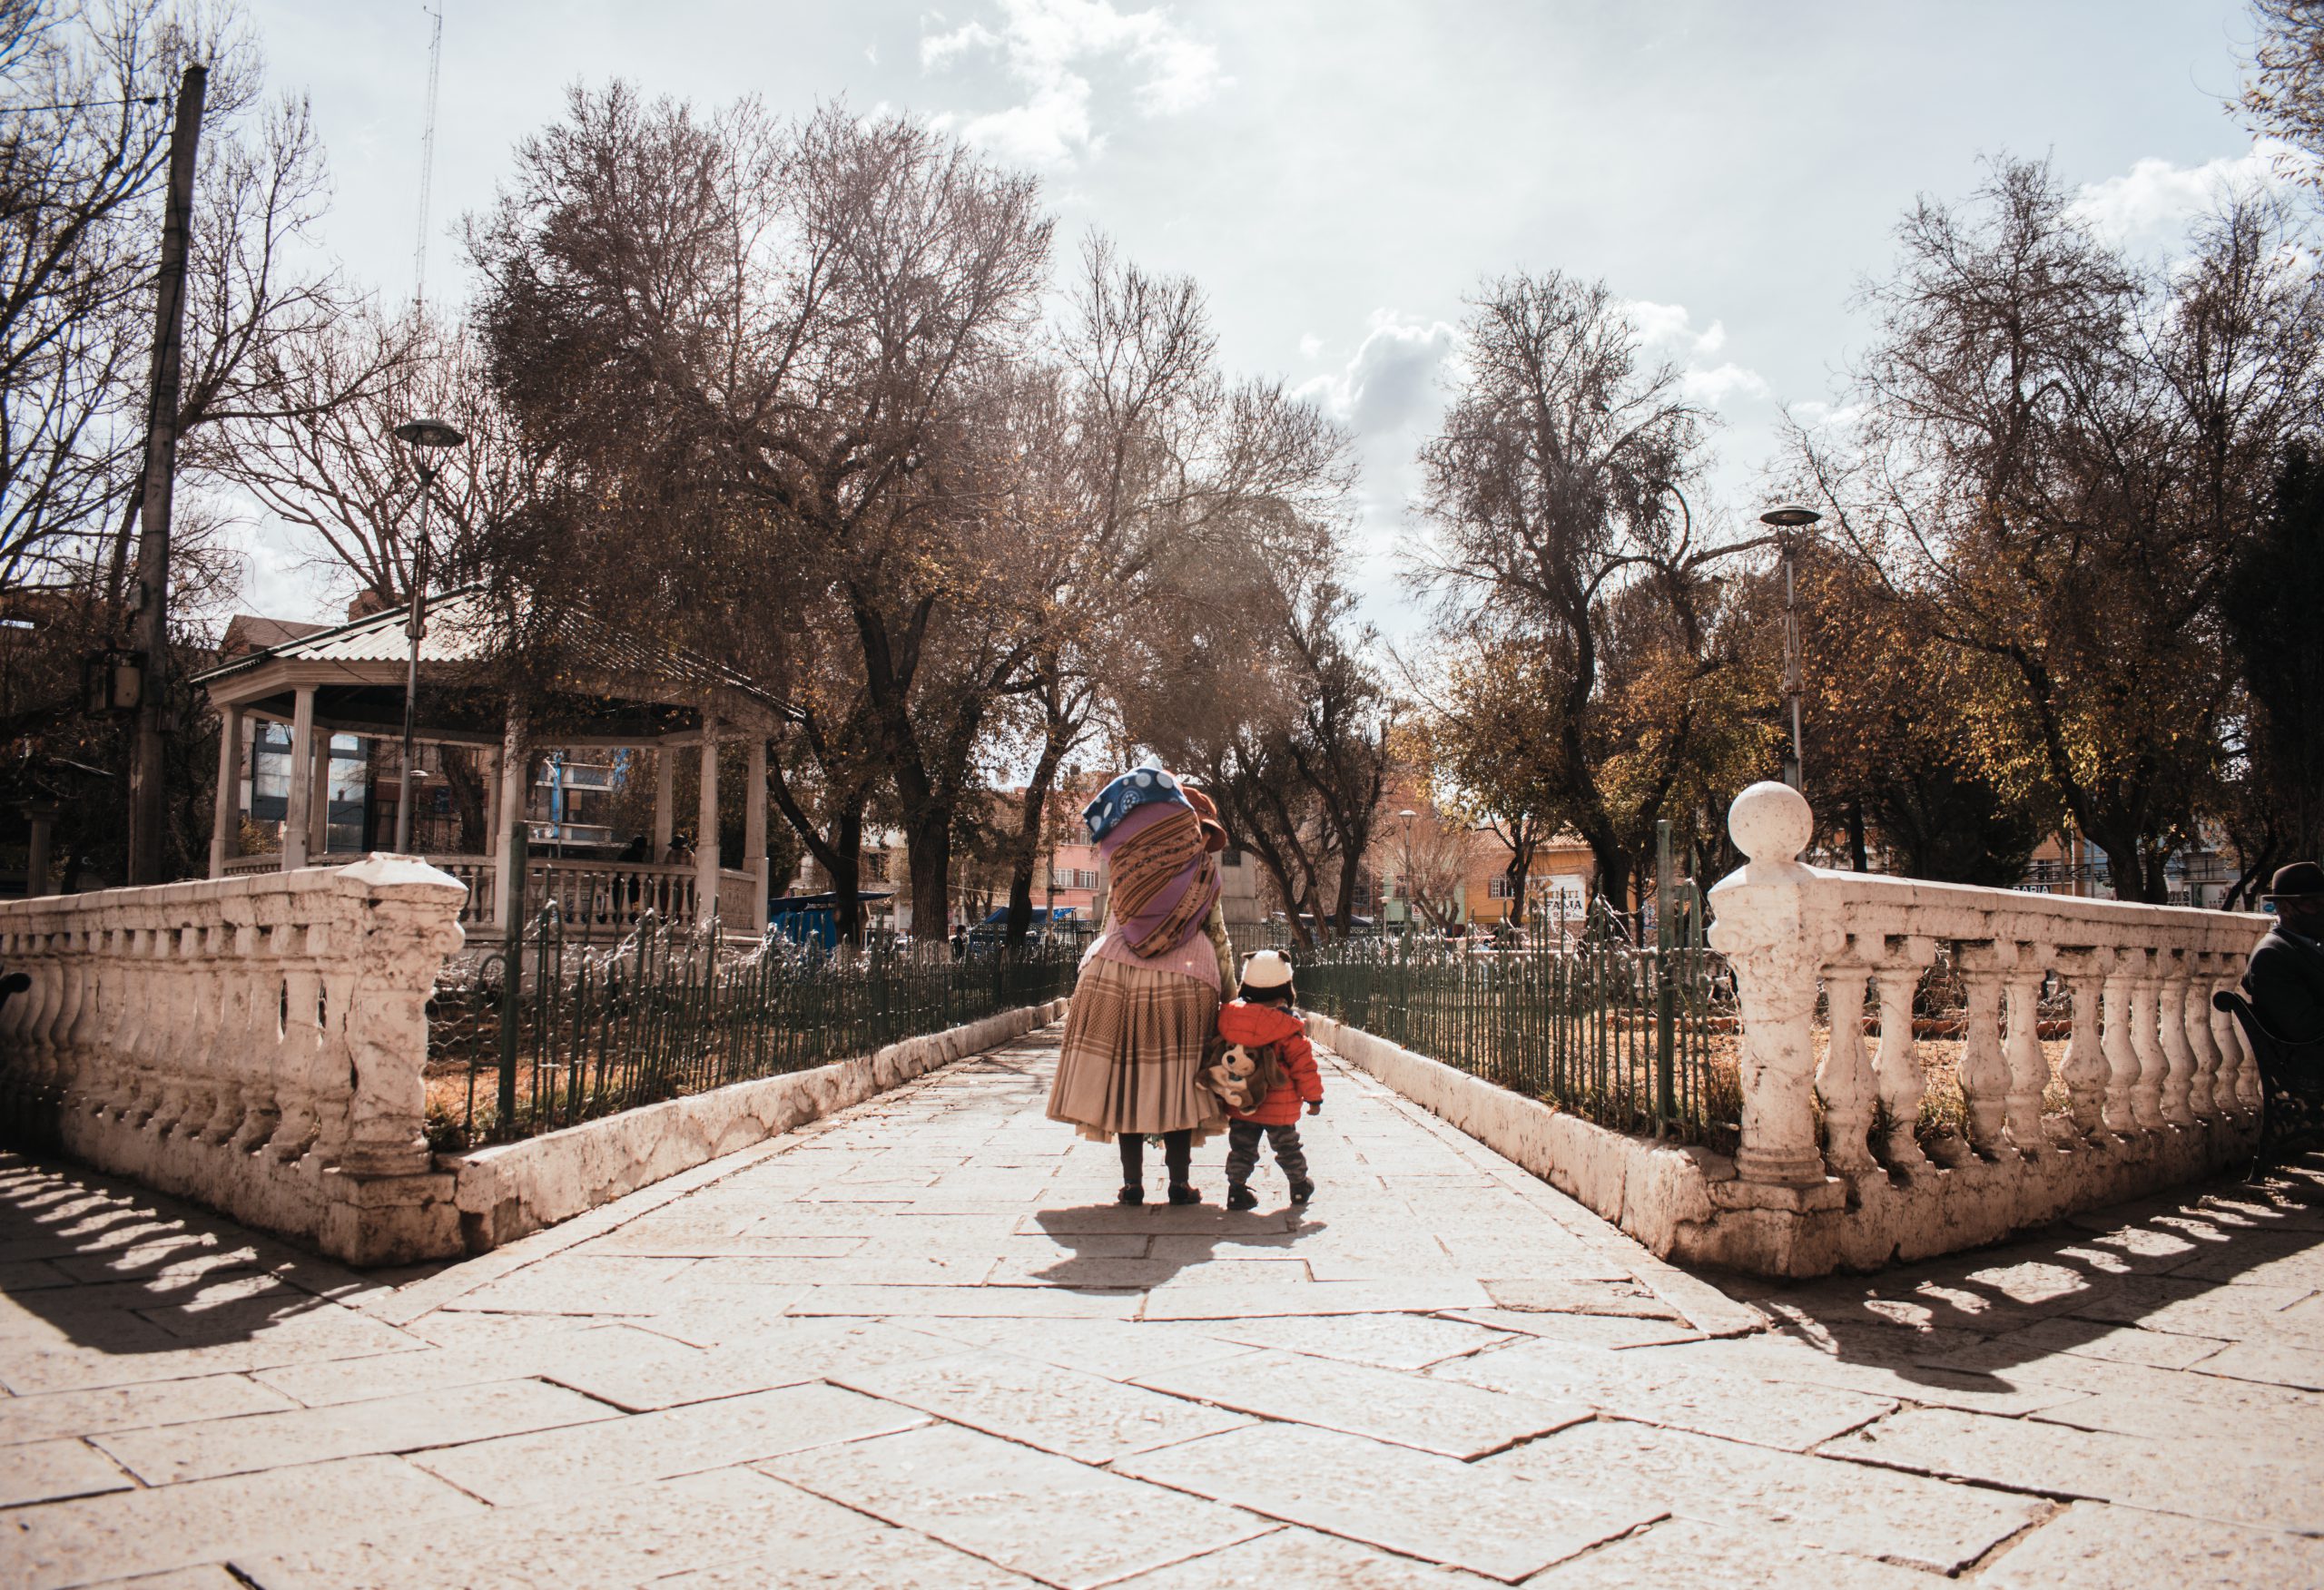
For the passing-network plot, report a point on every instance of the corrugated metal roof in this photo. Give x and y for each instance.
(459, 631)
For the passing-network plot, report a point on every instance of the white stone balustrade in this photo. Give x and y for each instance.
(2159, 1087)
(255, 1044)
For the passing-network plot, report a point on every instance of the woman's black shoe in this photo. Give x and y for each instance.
(1182, 1194)
(1301, 1192)
(1241, 1198)
(1130, 1195)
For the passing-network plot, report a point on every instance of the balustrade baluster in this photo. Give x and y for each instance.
(2084, 1070)
(2238, 1089)
(1844, 1082)
(2146, 1042)
(2171, 1020)
(2122, 967)
(2029, 1066)
(1896, 1069)
(2203, 1100)
(1984, 1072)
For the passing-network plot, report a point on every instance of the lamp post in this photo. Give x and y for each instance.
(1407, 814)
(422, 434)
(1788, 517)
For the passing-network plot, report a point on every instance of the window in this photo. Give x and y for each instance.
(1498, 890)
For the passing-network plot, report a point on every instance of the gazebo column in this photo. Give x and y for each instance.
(754, 833)
(507, 888)
(226, 818)
(42, 816)
(491, 755)
(319, 803)
(302, 787)
(705, 835)
(665, 796)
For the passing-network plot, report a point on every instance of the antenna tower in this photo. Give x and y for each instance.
(428, 158)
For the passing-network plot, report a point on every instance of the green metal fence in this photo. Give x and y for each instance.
(1635, 1036)
(563, 1033)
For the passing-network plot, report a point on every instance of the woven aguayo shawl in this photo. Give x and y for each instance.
(1164, 881)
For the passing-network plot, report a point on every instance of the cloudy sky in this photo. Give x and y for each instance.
(1338, 174)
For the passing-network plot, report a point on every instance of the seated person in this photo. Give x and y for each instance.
(2286, 977)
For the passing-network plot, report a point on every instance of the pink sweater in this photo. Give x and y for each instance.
(1194, 959)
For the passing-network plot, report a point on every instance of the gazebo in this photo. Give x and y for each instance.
(613, 694)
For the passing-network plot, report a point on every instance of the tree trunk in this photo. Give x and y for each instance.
(1855, 836)
(839, 853)
(1032, 811)
(928, 845)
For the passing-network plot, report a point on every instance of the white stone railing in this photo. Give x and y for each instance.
(2153, 1076)
(255, 1044)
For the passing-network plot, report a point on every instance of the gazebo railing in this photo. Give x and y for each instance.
(593, 899)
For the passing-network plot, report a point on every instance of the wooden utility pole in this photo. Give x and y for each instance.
(147, 812)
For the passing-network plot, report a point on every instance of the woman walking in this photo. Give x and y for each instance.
(1147, 995)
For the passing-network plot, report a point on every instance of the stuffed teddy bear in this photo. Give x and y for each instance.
(1230, 1075)
(1240, 1077)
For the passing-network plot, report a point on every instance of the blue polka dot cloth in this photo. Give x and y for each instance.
(1143, 785)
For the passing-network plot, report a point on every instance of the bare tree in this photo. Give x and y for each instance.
(1557, 490)
(2058, 456)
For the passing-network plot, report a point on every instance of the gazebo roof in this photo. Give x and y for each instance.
(623, 687)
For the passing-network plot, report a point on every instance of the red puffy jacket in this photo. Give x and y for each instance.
(1253, 1025)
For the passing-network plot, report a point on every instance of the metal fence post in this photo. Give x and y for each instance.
(1665, 1101)
(512, 978)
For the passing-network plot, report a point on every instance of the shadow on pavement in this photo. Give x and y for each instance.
(112, 1267)
(2202, 1267)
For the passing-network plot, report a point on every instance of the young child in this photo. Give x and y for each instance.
(1261, 1017)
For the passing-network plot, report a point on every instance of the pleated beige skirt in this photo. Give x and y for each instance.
(1132, 1055)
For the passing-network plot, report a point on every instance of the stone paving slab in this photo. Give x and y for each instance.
(87, 1541)
(130, 1407)
(1062, 1522)
(1682, 1554)
(2092, 1547)
(1660, 1390)
(1760, 1491)
(1488, 1521)
(2218, 1479)
(1057, 1409)
(552, 1463)
(896, 1309)
(794, 1352)
(603, 1541)
(1385, 1341)
(1290, 1556)
(537, 1348)
(176, 1453)
(1407, 1410)
(46, 1471)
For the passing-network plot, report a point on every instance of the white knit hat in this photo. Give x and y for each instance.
(1265, 968)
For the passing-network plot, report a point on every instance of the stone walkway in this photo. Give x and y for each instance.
(917, 1346)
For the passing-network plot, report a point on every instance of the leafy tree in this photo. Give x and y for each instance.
(2273, 597)
(1558, 491)
(2057, 456)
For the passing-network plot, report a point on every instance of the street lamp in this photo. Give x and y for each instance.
(1407, 814)
(422, 434)
(1786, 517)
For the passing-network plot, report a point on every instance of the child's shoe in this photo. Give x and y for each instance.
(1238, 1196)
(1301, 1192)
(1182, 1194)
(1131, 1194)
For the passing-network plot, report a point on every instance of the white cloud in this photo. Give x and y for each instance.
(2154, 199)
(1050, 47)
(1714, 387)
(1391, 379)
(1668, 331)
(1310, 346)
